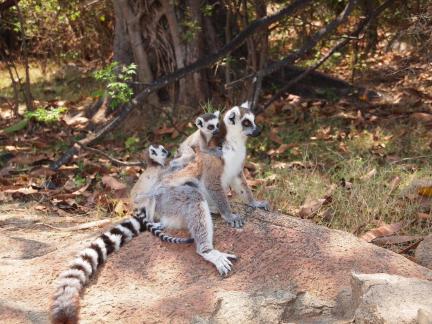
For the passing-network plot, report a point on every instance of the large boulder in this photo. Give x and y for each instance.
(289, 270)
(384, 298)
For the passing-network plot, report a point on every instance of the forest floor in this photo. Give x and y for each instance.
(365, 169)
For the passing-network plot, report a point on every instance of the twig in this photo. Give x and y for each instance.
(78, 227)
(411, 158)
(113, 160)
(27, 91)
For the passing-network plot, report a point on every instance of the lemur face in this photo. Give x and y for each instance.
(208, 123)
(242, 120)
(158, 154)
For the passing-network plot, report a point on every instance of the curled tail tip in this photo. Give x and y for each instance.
(62, 312)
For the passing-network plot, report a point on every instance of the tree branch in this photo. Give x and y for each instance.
(7, 4)
(353, 36)
(204, 62)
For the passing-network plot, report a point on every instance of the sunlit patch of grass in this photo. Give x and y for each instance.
(362, 163)
(54, 82)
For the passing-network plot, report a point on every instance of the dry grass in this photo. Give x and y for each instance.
(361, 164)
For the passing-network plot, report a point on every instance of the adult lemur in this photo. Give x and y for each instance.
(181, 202)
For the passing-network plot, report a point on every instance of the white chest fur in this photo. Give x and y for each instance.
(234, 154)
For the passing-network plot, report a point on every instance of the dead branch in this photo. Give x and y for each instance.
(113, 160)
(353, 36)
(78, 227)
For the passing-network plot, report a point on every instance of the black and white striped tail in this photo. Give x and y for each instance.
(166, 238)
(65, 305)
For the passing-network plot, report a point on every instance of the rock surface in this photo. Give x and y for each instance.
(423, 254)
(289, 271)
(384, 298)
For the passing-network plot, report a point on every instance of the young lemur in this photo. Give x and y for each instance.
(155, 157)
(208, 126)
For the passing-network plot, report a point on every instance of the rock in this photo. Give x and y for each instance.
(289, 271)
(384, 298)
(424, 316)
(423, 253)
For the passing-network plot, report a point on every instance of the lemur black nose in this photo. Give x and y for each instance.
(168, 154)
(216, 131)
(256, 132)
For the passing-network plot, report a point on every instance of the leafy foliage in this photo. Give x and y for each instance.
(46, 115)
(117, 80)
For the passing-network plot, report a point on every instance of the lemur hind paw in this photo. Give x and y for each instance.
(262, 204)
(220, 260)
(236, 221)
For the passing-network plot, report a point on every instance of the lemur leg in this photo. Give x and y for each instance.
(214, 190)
(201, 228)
(241, 188)
(220, 199)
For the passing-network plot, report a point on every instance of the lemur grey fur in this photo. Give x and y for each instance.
(65, 304)
(208, 126)
(156, 157)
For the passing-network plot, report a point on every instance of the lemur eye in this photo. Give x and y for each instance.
(153, 152)
(164, 151)
(210, 127)
(246, 123)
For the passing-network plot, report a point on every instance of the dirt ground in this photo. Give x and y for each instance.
(288, 269)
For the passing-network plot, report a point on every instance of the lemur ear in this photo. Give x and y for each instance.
(152, 150)
(245, 104)
(216, 113)
(231, 117)
(199, 122)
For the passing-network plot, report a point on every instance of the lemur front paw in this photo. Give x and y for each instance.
(263, 204)
(235, 221)
(220, 260)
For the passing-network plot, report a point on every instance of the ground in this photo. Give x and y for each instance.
(288, 270)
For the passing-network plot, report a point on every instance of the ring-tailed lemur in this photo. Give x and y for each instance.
(239, 124)
(156, 157)
(180, 205)
(65, 304)
(181, 202)
(213, 176)
(208, 126)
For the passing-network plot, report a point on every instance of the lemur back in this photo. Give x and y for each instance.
(155, 157)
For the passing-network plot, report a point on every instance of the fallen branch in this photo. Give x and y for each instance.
(113, 160)
(353, 36)
(78, 227)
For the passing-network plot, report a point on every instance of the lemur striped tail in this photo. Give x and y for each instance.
(166, 238)
(65, 304)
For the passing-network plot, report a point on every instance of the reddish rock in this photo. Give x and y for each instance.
(288, 270)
